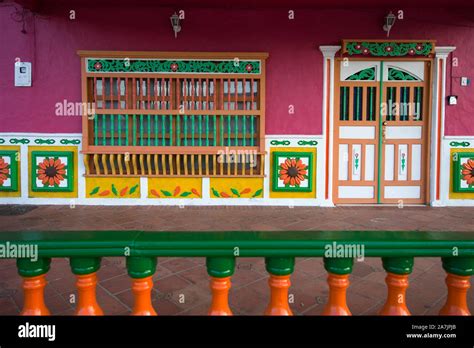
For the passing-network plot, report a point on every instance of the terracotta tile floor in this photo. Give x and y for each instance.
(181, 284)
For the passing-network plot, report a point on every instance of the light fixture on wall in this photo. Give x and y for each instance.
(389, 22)
(175, 23)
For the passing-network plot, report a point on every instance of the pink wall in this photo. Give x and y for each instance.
(294, 69)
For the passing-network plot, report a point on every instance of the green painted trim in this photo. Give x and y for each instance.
(15, 141)
(280, 142)
(400, 75)
(141, 267)
(220, 267)
(462, 143)
(280, 266)
(379, 157)
(69, 171)
(45, 141)
(29, 268)
(84, 265)
(398, 265)
(340, 266)
(70, 142)
(179, 66)
(363, 75)
(461, 266)
(307, 142)
(275, 176)
(2, 141)
(389, 48)
(14, 173)
(457, 168)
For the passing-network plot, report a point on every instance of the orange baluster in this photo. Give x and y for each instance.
(338, 269)
(141, 288)
(456, 303)
(220, 296)
(220, 269)
(85, 269)
(337, 304)
(279, 286)
(33, 288)
(34, 281)
(87, 303)
(280, 269)
(396, 296)
(398, 270)
(141, 270)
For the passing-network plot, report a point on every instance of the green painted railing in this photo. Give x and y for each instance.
(175, 130)
(339, 249)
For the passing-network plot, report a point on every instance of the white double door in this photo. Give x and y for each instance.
(381, 136)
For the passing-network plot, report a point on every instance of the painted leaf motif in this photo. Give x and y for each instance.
(166, 193)
(215, 193)
(185, 194)
(94, 191)
(235, 192)
(114, 190)
(257, 193)
(133, 189)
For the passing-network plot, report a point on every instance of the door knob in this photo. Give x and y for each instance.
(384, 123)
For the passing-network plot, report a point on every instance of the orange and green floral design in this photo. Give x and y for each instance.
(177, 192)
(51, 171)
(293, 172)
(235, 193)
(5, 173)
(467, 172)
(114, 191)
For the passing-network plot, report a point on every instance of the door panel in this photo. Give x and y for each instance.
(389, 137)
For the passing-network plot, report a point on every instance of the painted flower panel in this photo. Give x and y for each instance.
(463, 172)
(52, 171)
(292, 171)
(9, 170)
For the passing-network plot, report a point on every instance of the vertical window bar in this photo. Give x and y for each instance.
(119, 125)
(228, 131)
(236, 124)
(96, 129)
(149, 128)
(192, 129)
(112, 135)
(171, 130)
(200, 130)
(126, 131)
(178, 131)
(215, 130)
(134, 130)
(222, 129)
(207, 130)
(163, 130)
(185, 130)
(252, 135)
(244, 133)
(104, 131)
(156, 129)
(141, 130)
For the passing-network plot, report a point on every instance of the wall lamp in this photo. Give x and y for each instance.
(175, 23)
(389, 22)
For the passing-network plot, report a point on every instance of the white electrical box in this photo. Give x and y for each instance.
(465, 81)
(22, 74)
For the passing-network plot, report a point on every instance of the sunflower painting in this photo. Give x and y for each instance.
(467, 172)
(292, 171)
(52, 171)
(4, 171)
(9, 170)
(464, 167)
